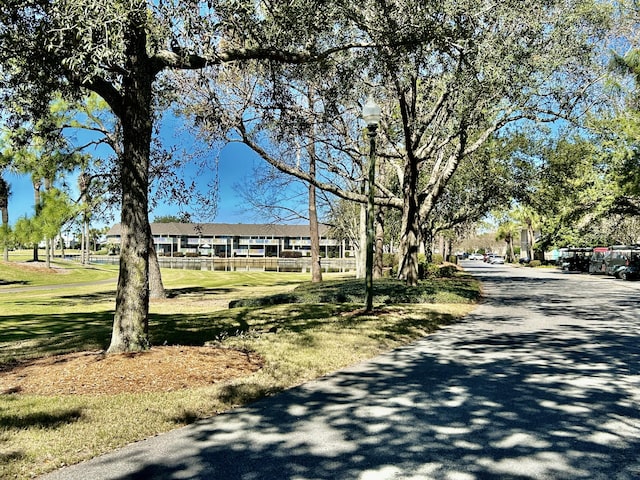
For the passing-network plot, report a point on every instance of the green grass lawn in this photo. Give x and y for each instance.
(300, 330)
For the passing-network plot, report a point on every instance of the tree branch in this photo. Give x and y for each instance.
(102, 87)
(190, 61)
(304, 176)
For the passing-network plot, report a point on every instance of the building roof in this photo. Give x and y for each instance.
(230, 229)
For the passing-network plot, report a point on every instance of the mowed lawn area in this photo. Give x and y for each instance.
(298, 330)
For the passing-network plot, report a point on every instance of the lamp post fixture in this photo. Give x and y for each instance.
(371, 115)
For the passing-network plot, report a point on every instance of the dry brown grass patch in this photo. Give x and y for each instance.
(161, 369)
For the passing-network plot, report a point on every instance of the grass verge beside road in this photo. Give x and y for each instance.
(300, 330)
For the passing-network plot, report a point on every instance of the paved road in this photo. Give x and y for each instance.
(541, 381)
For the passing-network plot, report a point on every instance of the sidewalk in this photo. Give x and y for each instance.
(517, 391)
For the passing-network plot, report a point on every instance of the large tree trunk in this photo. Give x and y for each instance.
(314, 230)
(410, 230)
(532, 243)
(509, 253)
(316, 268)
(130, 325)
(427, 239)
(156, 287)
(409, 242)
(361, 251)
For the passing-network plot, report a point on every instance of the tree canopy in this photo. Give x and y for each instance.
(450, 76)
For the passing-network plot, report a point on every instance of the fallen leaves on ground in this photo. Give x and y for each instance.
(160, 369)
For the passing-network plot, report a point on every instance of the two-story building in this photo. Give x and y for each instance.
(238, 240)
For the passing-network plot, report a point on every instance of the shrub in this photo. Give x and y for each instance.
(535, 263)
(277, 299)
(431, 270)
(387, 291)
(447, 271)
(389, 260)
(423, 266)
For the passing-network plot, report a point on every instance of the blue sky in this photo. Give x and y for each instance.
(235, 162)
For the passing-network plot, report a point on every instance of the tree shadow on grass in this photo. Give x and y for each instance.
(49, 334)
(97, 297)
(10, 456)
(49, 420)
(188, 291)
(198, 329)
(386, 291)
(31, 336)
(14, 282)
(13, 420)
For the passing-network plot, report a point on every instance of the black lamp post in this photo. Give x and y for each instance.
(371, 115)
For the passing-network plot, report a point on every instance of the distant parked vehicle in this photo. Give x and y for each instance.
(497, 259)
(575, 259)
(596, 261)
(631, 270)
(476, 256)
(615, 258)
(488, 257)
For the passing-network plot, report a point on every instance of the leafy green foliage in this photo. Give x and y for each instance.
(57, 209)
(27, 231)
(170, 219)
(568, 191)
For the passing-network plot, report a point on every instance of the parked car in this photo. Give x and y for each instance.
(488, 257)
(497, 259)
(476, 256)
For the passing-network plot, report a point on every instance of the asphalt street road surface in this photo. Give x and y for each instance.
(541, 381)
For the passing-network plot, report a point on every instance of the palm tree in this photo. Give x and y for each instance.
(629, 63)
(530, 221)
(507, 231)
(5, 193)
(84, 180)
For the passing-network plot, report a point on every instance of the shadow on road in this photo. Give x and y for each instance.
(484, 399)
(508, 406)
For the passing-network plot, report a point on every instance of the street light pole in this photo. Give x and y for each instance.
(371, 115)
